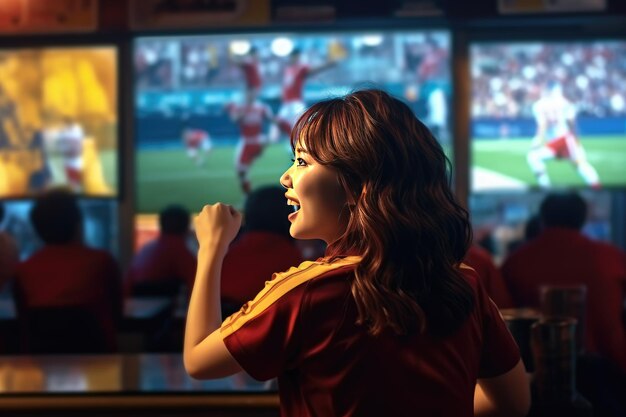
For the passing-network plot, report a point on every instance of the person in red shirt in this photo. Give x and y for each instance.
(561, 255)
(390, 321)
(264, 243)
(250, 116)
(479, 259)
(167, 259)
(67, 273)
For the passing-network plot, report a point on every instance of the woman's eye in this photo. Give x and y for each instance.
(301, 162)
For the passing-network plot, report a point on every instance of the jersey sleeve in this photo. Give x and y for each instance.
(500, 352)
(264, 336)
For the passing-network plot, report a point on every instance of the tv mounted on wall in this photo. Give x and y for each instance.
(548, 114)
(212, 112)
(58, 120)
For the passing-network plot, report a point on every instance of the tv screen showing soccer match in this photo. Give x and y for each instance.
(213, 113)
(58, 111)
(548, 114)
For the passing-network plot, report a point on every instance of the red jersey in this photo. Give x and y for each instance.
(293, 81)
(251, 73)
(251, 119)
(479, 259)
(268, 252)
(302, 328)
(72, 275)
(166, 257)
(560, 256)
(194, 137)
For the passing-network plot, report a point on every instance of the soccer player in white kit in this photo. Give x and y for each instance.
(69, 143)
(555, 116)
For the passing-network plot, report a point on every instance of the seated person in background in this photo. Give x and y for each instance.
(480, 259)
(562, 255)
(65, 273)
(165, 262)
(531, 231)
(9, 255)
(263, 248)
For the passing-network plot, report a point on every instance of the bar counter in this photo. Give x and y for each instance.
(125, 385)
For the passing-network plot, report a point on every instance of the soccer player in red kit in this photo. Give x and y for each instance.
(197, 143)
(293, 105)
(251, 71)
(250, 117)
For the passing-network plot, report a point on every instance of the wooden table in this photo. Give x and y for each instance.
(124, 385)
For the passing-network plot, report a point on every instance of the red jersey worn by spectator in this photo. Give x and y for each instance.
(479, 259)
(72, 275)
(252, 260)
(165, 258)
(563, 256)
(302, 328)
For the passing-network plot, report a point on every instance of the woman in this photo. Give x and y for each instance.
(389, 322)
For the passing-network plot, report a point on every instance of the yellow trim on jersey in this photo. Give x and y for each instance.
(281, 284)
(466, 266)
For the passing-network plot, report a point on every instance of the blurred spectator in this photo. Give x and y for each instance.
(480, 259)
(531, 230)
(562, 255)
(66, 275)
(164, 264)
(9, 254)
(264, 247)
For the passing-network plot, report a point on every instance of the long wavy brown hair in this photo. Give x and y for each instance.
(403, 218)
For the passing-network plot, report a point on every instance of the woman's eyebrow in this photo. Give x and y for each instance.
(301, 150)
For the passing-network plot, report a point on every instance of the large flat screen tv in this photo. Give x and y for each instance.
(58, 120)
(548, 115)
(212, 112)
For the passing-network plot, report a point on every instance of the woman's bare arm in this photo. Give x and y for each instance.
(506, 395)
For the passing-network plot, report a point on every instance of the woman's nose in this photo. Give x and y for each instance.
(285, 179)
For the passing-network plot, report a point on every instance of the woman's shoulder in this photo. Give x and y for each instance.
(309, 270)
(469, 273)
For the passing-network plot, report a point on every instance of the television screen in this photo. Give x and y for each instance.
(213, 113)
(548, 114)
(58, 112)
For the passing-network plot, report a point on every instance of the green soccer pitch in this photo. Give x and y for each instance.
(502, 163)
(170, 176)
